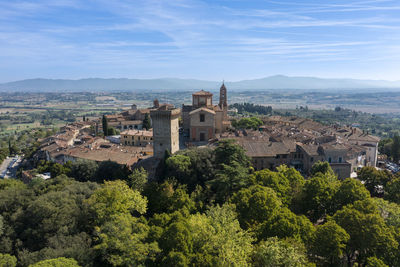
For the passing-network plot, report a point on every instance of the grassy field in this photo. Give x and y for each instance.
(16, 128)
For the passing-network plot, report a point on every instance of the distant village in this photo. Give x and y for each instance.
(293, 141)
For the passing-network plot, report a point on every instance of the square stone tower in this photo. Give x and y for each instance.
(165, 130)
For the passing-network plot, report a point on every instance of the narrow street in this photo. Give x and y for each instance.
(9, 167)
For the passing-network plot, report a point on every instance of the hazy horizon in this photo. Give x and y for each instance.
(277, 82)
(194, 78)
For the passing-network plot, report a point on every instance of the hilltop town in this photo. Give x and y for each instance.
(295, 142)
(199, 133)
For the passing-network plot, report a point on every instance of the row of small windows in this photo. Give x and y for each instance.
(340, 160)
(143, 138)
(298, 156)
(284, 156)
(133, 143)
(126, 127)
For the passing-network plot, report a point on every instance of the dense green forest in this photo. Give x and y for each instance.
(207, 208)
(252, 108)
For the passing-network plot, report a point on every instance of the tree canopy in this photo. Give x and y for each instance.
(58, 262)
(206, 207)
(247, 123)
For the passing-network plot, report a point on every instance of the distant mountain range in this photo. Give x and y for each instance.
(268, 83)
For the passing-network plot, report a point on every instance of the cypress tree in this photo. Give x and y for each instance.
(9, 147)
(396, 148)
(146, 122)
(105, 126)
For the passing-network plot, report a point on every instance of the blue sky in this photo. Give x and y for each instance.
(213, 39)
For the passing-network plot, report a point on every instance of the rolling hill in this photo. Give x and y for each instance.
(123, 84)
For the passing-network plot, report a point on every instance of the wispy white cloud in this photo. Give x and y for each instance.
(175, 34)
(9, 9)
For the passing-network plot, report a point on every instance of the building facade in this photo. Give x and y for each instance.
(202, 124)
(202, 120)
(136, 138)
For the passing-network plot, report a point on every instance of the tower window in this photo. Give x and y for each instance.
(202, 117)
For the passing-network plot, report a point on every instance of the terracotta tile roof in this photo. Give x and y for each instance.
(124, 155)
(138, 132)
(126, 122)
(334, 146)
(310, 149)
(263, 149)
(144, 110)
(364, 137)
(202, 109)
(202, 92)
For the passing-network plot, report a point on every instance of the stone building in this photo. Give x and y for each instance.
(300, 143)
(202, 120)
(369, 142)
(136, 138)
(270, 154)
(131, 119)
(165, 121)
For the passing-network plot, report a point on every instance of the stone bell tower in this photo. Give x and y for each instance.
(223, 101)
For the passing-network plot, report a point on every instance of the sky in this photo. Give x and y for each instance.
(201, 39)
